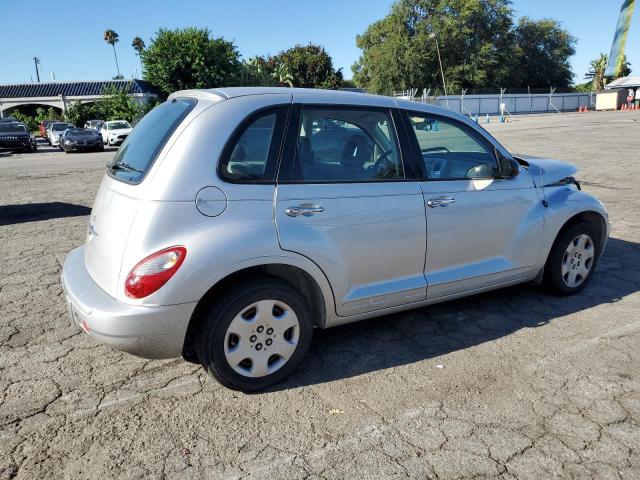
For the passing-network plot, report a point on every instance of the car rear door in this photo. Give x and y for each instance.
(482, 230)
(342, 200)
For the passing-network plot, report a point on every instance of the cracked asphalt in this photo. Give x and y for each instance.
(515, 384)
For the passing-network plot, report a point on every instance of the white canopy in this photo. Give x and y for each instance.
(624, 82)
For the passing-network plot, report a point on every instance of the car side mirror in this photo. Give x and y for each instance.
(509, 167)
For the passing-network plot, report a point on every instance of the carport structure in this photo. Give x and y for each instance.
(61, 95)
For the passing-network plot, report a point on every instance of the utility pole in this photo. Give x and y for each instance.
(444, 84)
(36, 61)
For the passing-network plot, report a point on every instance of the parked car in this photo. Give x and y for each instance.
(56, 129)
(81, 139)
(8, 120)
(43, 127)
(224, 230)
(94, 124)
(115, 132)
(16, 137)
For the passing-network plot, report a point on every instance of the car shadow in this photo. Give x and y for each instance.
(34, 212)
(428, 332)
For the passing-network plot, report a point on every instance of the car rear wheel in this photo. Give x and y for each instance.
(572, 260)
(255, 335)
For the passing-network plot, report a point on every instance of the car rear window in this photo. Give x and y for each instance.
(139, 150)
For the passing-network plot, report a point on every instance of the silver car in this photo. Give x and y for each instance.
(232, 222)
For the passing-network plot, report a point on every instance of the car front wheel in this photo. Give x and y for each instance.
(255, 335)
(573, 259)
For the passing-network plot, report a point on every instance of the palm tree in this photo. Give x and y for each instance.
(138, 45)
(111, 37)
(597, 71)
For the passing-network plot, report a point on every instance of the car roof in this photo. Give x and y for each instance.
(217, 94)
(317, 95)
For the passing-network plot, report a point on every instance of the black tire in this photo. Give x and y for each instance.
(210, 340)
(553, 278)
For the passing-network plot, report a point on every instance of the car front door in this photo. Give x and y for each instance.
(342, 200)
(482, 230)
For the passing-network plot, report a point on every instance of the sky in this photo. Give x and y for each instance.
(67, 35)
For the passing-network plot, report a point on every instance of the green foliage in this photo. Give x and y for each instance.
(32, 122)
(282, 75)
(597, 70)
(479, 44)
(190, 58)
(138, 44)
(301, 66)
(48, 114)
(29, 122)
(543, 52)
(78, 113)
(309, 66)
(111, 37)
(586, 87)
(116, 105)
(255, 72)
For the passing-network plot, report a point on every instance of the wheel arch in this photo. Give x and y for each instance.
(316, 292)
(592, 217)
(589, 216)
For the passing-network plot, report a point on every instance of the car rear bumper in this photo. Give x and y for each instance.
(147, 331)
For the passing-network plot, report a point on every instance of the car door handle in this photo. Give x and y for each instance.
(440, 202)
(304, 211)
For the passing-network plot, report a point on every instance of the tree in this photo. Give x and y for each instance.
(399, 52)
(190, 58)
(138, 45)
(111, 37)
(310, 66)
(597, 70)
(543, 53)
(115, 105)
(480, 47)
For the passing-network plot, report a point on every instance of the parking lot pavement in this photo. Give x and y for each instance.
(510, 384)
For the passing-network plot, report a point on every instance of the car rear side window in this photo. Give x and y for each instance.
(350, 144)
(140, 149)
(251, 154)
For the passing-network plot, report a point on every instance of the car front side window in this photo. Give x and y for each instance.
(450, 151)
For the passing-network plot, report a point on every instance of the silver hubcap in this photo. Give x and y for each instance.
(261, 338)
(577, 260)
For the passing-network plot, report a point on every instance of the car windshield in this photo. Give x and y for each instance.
(118, 125)
(12, 128)
(80, 131)
(60, 127)
(139, 150)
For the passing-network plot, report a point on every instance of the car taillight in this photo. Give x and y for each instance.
(153, 272)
